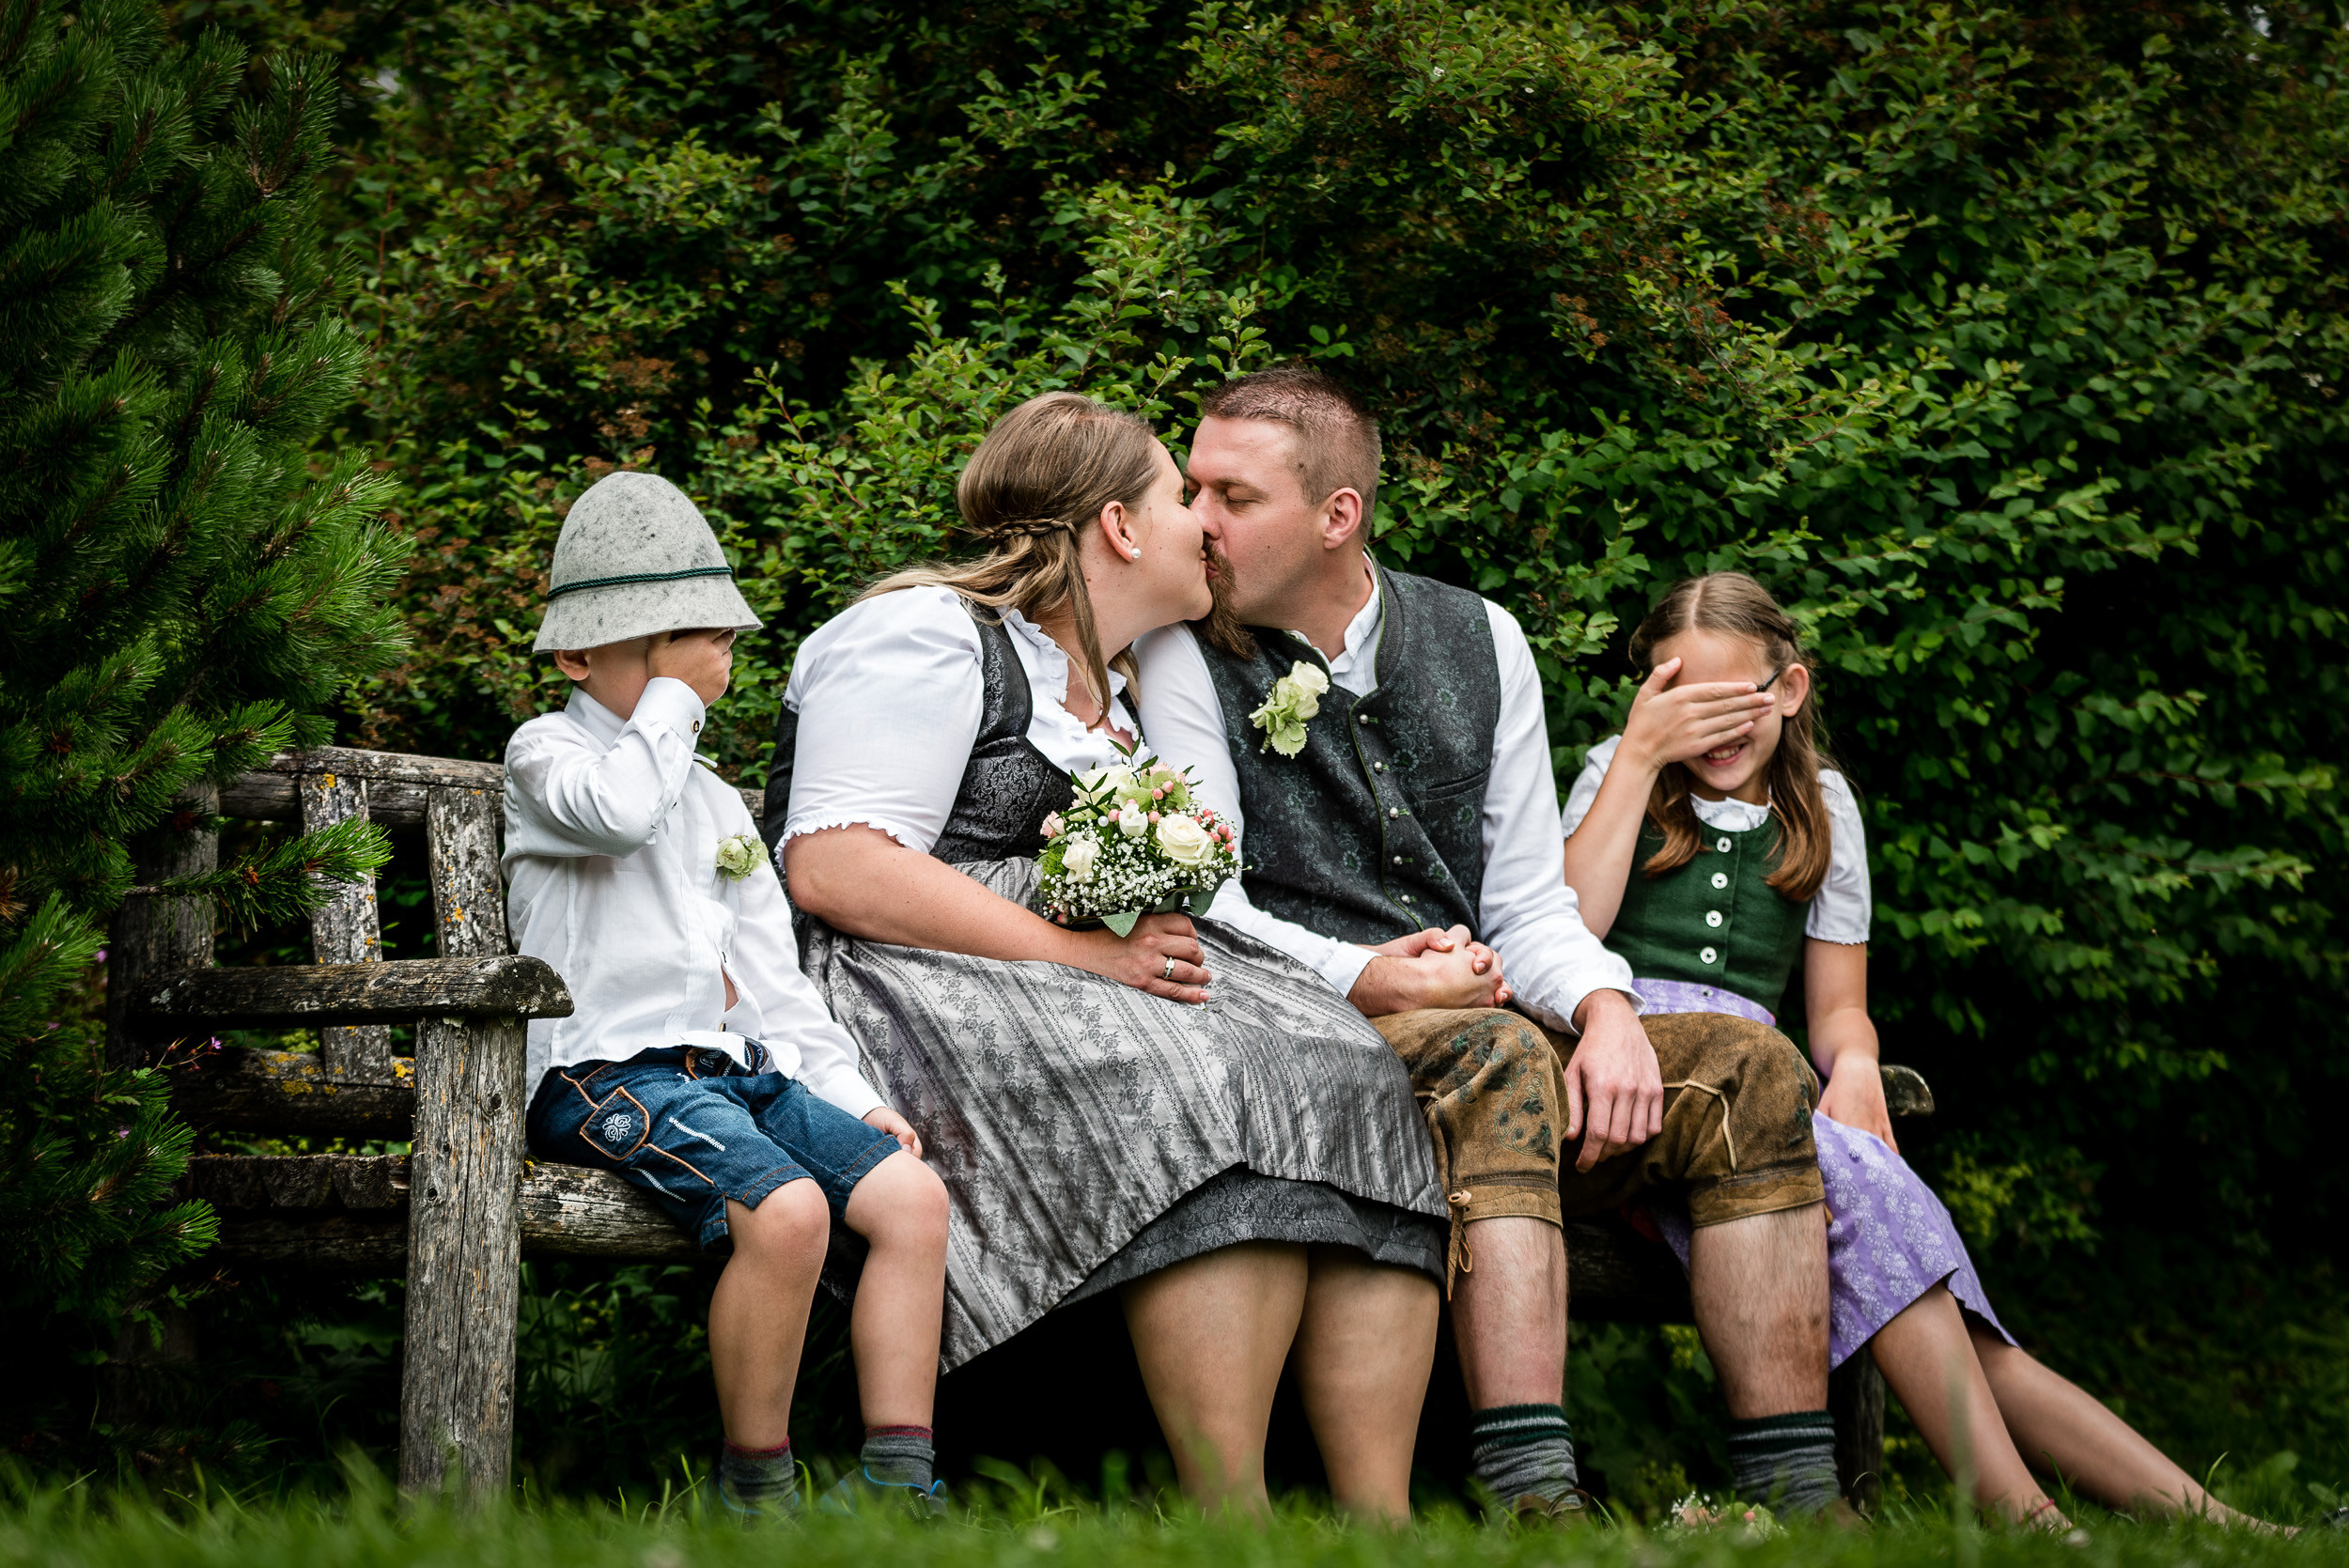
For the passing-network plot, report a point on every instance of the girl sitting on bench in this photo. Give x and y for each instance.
(1750, 857)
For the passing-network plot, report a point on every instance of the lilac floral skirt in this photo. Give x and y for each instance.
(1889, 1239)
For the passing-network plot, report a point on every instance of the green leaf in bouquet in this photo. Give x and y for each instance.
(1199, 900)
(1123, 921)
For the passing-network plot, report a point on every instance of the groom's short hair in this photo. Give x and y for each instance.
(1337, 440)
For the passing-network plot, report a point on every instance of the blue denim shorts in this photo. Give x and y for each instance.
(693, 1128)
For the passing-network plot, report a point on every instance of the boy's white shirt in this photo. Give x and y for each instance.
(611, 834)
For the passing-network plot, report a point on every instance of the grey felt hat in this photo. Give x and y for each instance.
(636, 557)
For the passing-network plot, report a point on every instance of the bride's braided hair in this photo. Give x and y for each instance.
(1037, 481)
(1732, 604)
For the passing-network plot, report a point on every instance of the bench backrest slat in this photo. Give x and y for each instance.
(346, 930)
(461, 826)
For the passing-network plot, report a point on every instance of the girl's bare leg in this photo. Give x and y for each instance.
(1928, 1360)
(1365, 1348)
(2063, 1428)
(1211, 1334)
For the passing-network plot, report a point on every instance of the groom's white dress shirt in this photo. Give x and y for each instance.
(1526, 913)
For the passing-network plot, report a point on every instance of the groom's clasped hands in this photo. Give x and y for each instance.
(1429, 969)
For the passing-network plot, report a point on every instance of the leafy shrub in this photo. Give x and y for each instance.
(2002, 341)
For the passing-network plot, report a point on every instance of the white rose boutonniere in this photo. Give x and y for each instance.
(1295, 698)
(738, 855)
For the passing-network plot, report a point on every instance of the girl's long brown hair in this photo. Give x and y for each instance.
(1029, 492)
(1731, 604)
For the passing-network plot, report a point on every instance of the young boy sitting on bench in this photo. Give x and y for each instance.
(701, 1065)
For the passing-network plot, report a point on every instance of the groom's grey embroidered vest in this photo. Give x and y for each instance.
(1008, 786)
(1376, 828)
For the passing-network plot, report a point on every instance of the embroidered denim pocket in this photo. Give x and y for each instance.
(617, 1127)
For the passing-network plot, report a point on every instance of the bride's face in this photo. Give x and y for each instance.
(1172, 568)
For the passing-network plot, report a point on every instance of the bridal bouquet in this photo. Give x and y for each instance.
(1134, 842)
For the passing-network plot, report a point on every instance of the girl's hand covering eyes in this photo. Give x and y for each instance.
(1671, 724)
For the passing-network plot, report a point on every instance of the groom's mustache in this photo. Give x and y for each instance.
(1221, 624)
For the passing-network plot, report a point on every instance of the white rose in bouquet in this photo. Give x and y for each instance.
(1184, 840)
(1079, 859)
(1131, 820)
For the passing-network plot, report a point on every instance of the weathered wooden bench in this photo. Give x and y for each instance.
(459, 1212)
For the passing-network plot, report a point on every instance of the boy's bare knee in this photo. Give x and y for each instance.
(791, 1224)
(901, 1202)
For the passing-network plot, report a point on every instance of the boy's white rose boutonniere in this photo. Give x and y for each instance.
(738, 855)
(1294, 698)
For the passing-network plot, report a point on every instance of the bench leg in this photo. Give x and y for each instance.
(1855, 1398)
(465, 1257)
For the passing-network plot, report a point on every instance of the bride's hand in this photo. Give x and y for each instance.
(1140, 959)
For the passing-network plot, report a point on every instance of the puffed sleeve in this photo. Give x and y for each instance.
(1841, 910)
(1584, 795)
(888, 698)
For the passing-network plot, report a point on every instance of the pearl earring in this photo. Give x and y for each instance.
(1136, 553)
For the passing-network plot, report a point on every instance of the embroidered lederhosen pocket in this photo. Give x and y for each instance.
(619, 1127)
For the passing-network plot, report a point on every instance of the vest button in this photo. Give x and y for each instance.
(1407, 898)
(1395, 811)
(1398, 860)
(1706, 956)
(1712, 917)
(1720, 878)
(1379, 766)
(1726, 847)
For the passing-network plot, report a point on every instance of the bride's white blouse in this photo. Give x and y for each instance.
(889, 695)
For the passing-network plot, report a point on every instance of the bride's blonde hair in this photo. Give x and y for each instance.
(1029, 492)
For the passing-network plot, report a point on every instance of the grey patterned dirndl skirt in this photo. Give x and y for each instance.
(1090, 1133)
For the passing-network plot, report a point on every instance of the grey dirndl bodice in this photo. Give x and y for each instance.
(1008, 788)
(1088, 1132)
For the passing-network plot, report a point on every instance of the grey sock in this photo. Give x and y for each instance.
(758, 1480)
(1524, 1450)
(1787, 1462)
(899, 1457)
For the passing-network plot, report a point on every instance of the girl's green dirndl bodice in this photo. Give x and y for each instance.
(1715, 923)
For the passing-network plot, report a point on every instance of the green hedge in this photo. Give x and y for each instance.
(2004, 341)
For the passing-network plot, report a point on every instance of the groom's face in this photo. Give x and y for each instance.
(1250, 498)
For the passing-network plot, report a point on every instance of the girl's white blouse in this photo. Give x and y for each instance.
(889, 695)
(1840, 911)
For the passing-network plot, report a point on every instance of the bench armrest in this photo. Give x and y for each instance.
(295, 995)
(1905, 1093)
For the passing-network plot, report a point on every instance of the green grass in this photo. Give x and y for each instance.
(1027, 1525)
